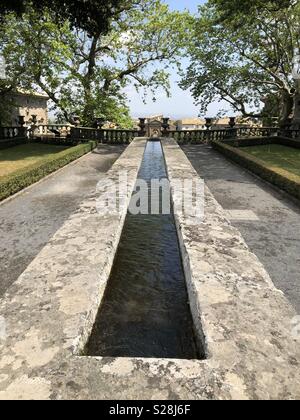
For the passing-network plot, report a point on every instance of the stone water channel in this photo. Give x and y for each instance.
(250, 347)
(145, 311)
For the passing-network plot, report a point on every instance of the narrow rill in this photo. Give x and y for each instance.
(145, 310)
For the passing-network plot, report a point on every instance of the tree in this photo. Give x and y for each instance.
(86, 75)
(231, 8)
(243, 64)
(271, 110)
(93, 16)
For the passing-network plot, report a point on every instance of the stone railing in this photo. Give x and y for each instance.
(85, 134)
(293, 134)
(266, 132)
(53, 130)
(119, 136)
(67, 134)
(8, 133)
(255, 131)
(103, 136)
(206, 136)
(199, 136)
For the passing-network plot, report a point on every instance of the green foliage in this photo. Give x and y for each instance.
(271, 110)
(243, 63)
(6, 106)
(233, 9)
(93, 16)
(6, 144)
(86, 75)
(18, 180)
(280, 177)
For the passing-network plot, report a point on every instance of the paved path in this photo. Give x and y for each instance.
(268, 220)
(28, 221)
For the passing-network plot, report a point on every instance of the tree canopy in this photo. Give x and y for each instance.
(86, 75)
(228, 9)
(93, 16)
(244, 64)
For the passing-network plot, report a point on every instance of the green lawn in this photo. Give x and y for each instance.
(277, 156)
(20, 157)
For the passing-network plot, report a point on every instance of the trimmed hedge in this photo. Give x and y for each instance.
(286, 141)
(18, 180)
(6, 144)
(57, 141)
(262, 141)
(247, 142)
(281, 178)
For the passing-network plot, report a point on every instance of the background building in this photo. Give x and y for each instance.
(218, 123)
(190, 124)
(27, 104)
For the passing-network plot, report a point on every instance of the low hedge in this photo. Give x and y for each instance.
(5, 144)
(56, 141)
(281, 178)
(18, 180)
(262, 141)
(251, 141)
(286, 141)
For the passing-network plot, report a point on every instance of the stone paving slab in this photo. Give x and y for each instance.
(275, 236)
(57, 297)
(29, 220)
(247, 322)
(50, 310)
(242, 215)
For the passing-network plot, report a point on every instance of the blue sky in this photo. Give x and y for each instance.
(181, 103)
(192, 5)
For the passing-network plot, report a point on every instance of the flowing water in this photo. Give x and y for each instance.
(145, 310)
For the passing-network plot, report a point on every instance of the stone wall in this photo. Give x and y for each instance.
(27, 105)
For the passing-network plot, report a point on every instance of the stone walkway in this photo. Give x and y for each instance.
(267, 219)
(28, 221)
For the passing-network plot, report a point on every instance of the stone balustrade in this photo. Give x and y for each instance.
(7, 133)
(111, 136)
(57, 130)
(123, 136)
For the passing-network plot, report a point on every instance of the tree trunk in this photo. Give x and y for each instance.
(286, 108)
(296, 116)
(88, 111)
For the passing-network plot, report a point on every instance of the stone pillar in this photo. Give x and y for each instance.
(233, 131)
(232, 122)
(142, 125)
(76, 120)
(209, 123)
(33, 127)
(99, 123)
(165, 127)
(21, 120)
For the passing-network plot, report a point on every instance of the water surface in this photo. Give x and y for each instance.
(145, 311)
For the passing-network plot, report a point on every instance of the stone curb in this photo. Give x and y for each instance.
(246, 321)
